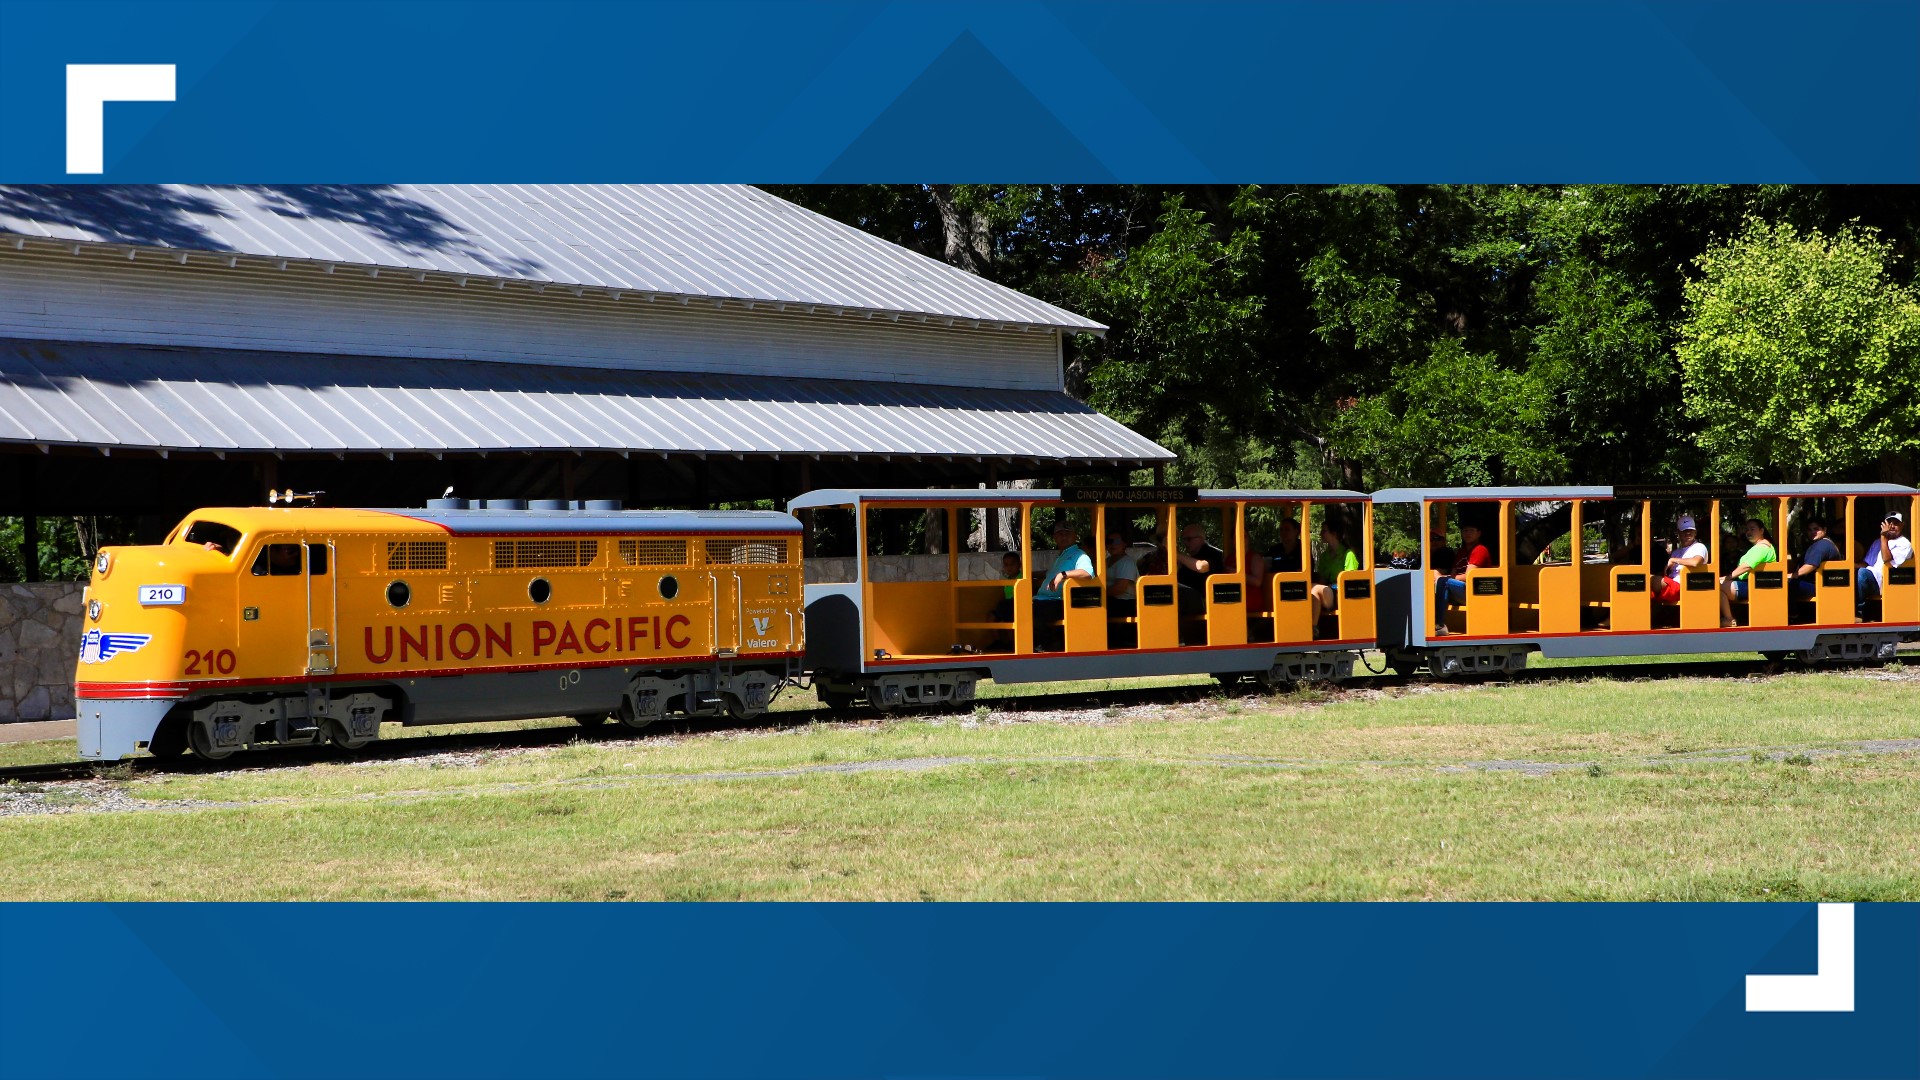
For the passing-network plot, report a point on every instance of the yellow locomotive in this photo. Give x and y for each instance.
(301, 625)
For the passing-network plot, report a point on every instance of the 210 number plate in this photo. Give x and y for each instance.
(155, 595)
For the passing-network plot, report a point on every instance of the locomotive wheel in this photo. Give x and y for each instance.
(631, 720)
(203, 747)
(337, 735)
(590, 720)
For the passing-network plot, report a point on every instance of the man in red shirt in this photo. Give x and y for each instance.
(1452, 587)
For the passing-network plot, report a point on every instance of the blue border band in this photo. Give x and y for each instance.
(1357, 90)
(817, 990)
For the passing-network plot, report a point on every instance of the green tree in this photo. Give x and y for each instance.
(1800, 353)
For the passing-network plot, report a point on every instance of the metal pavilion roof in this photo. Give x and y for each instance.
(120, 397)
(728, 242)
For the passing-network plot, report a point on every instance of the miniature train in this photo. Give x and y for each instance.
(253, 627)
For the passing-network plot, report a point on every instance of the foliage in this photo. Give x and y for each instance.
(1801, 354)
(1369, 336)
(67, 546)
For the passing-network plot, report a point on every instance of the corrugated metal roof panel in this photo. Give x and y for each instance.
(727, 241)
(134, 397)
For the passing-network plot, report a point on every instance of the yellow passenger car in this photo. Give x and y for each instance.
(252, 626)
(1646, 571)
(914, 595)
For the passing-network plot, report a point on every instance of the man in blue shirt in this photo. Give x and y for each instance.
(1072, 564)
(1819, 550)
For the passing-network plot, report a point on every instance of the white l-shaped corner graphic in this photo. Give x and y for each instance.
(89, 88)
(1830, 987)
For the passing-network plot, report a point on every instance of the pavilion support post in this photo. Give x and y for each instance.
(566, 478)
(702, 486)
(1160, 475)
(30, 546)
(806, 516)
(993, 523)
(29, 521)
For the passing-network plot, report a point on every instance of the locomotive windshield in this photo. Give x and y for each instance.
(213, 536)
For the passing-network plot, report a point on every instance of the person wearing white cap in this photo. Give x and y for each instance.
(1688, 554)
(1891, 550)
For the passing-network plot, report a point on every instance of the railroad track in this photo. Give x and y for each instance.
(481, 738)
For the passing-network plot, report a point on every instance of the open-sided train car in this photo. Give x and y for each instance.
(1577, 572)
(903, 609)
(258, 626)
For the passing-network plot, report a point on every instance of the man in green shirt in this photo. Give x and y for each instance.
(1335, 559)
(1737, 586)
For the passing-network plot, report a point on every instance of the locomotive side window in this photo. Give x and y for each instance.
(540, 590)
(316, 559)
(213, 536)
(277, 560)
(399, 594)
(669, 587)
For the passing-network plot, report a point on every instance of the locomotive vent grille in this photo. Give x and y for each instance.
(530, 554)
(653, 552)
(743, 552)
(416, 554)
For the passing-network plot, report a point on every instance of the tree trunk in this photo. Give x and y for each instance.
(969, 241)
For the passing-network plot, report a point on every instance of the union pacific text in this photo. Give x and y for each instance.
(438, 642)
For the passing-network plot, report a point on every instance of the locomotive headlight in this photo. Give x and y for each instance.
(93, 610)
(101, 562)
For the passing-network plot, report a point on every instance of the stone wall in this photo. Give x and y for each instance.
(974, 566)
(40, 628)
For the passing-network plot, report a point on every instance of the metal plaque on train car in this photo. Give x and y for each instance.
(1769, 579)
(1488, 586)
(1900, 575)
(1633, 583)
(1146, 496)
(1357, 589)
(1701, 581)
(1835, 579)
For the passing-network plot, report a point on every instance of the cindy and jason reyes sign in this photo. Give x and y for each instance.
(548, 640)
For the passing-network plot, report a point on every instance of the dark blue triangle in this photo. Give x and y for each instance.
(966, 119)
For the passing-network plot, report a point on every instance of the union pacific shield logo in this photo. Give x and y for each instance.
(97, 647)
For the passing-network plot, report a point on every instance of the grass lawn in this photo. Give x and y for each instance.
(1557, 788)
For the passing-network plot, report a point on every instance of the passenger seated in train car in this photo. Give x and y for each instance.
(1688, 554)
(1198, 558)
(1122, 574)
(1336, 558)
(1890, 550)
(1071, 564)
(1009, 569)
(1259, 576)
(1284, 556)
(1440, 554)
(1452, 586)
(1738, 584)
(1820, 550)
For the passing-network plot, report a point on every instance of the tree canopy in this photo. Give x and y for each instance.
(1374, 336)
